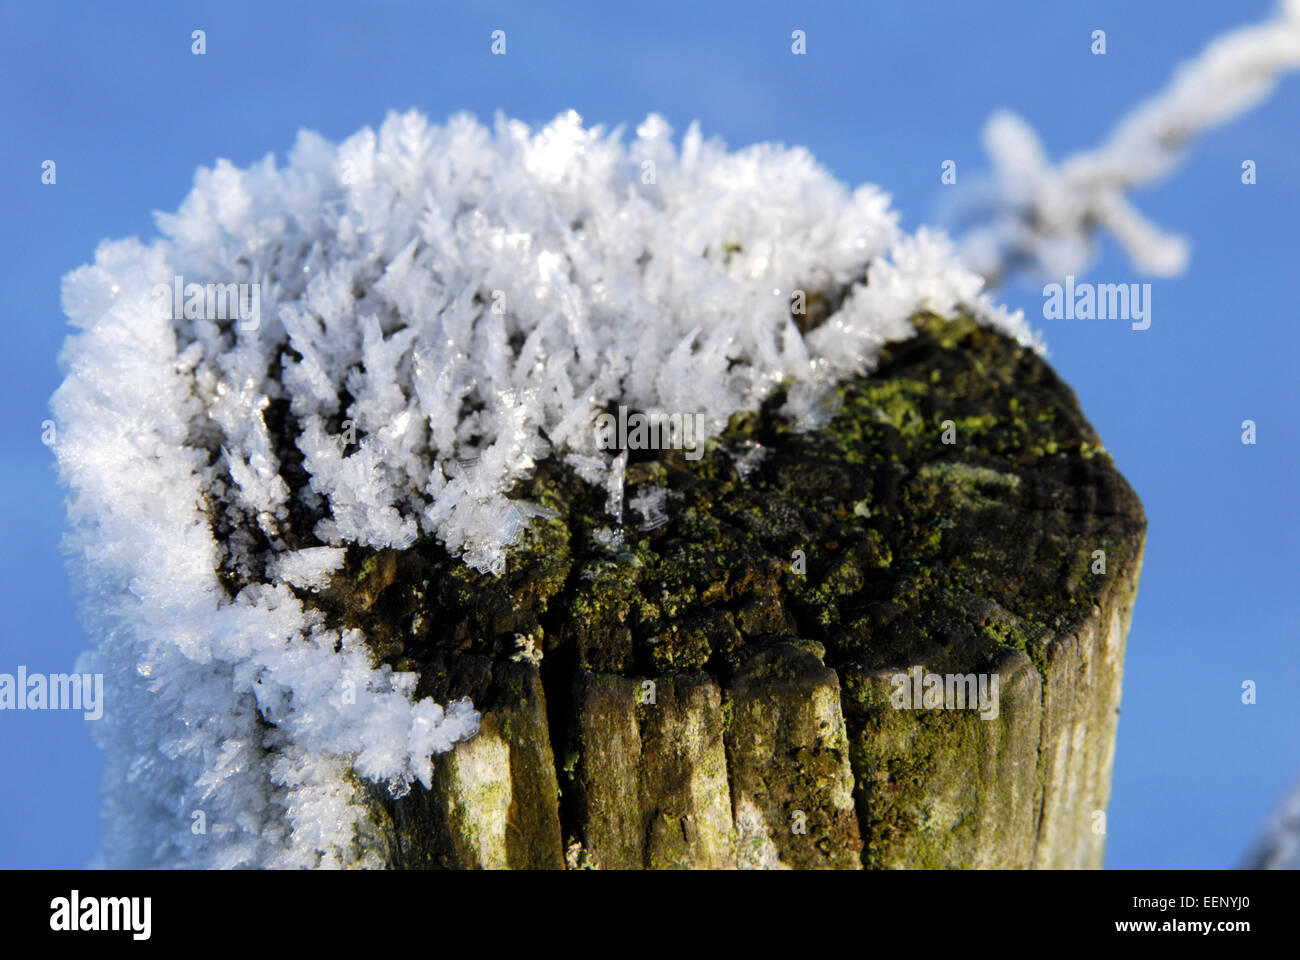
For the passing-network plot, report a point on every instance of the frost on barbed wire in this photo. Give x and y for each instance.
(1043, 218)
(1279, 846)
(441, 308)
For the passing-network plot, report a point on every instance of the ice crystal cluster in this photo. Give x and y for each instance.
(441, 307)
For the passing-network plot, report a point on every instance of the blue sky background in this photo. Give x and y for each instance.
(886, 93)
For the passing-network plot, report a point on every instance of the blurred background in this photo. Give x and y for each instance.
(886, 93)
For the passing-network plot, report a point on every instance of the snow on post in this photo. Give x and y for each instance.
(373, 344)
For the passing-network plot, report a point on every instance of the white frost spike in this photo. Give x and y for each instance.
(649, 502)
(310, 568)
(442, 307)
(1044, 217)
(614, 487)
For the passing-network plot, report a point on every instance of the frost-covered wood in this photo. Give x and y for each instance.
(706, 704)
(438, 311)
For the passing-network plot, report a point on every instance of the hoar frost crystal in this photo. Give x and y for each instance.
(440, 308)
